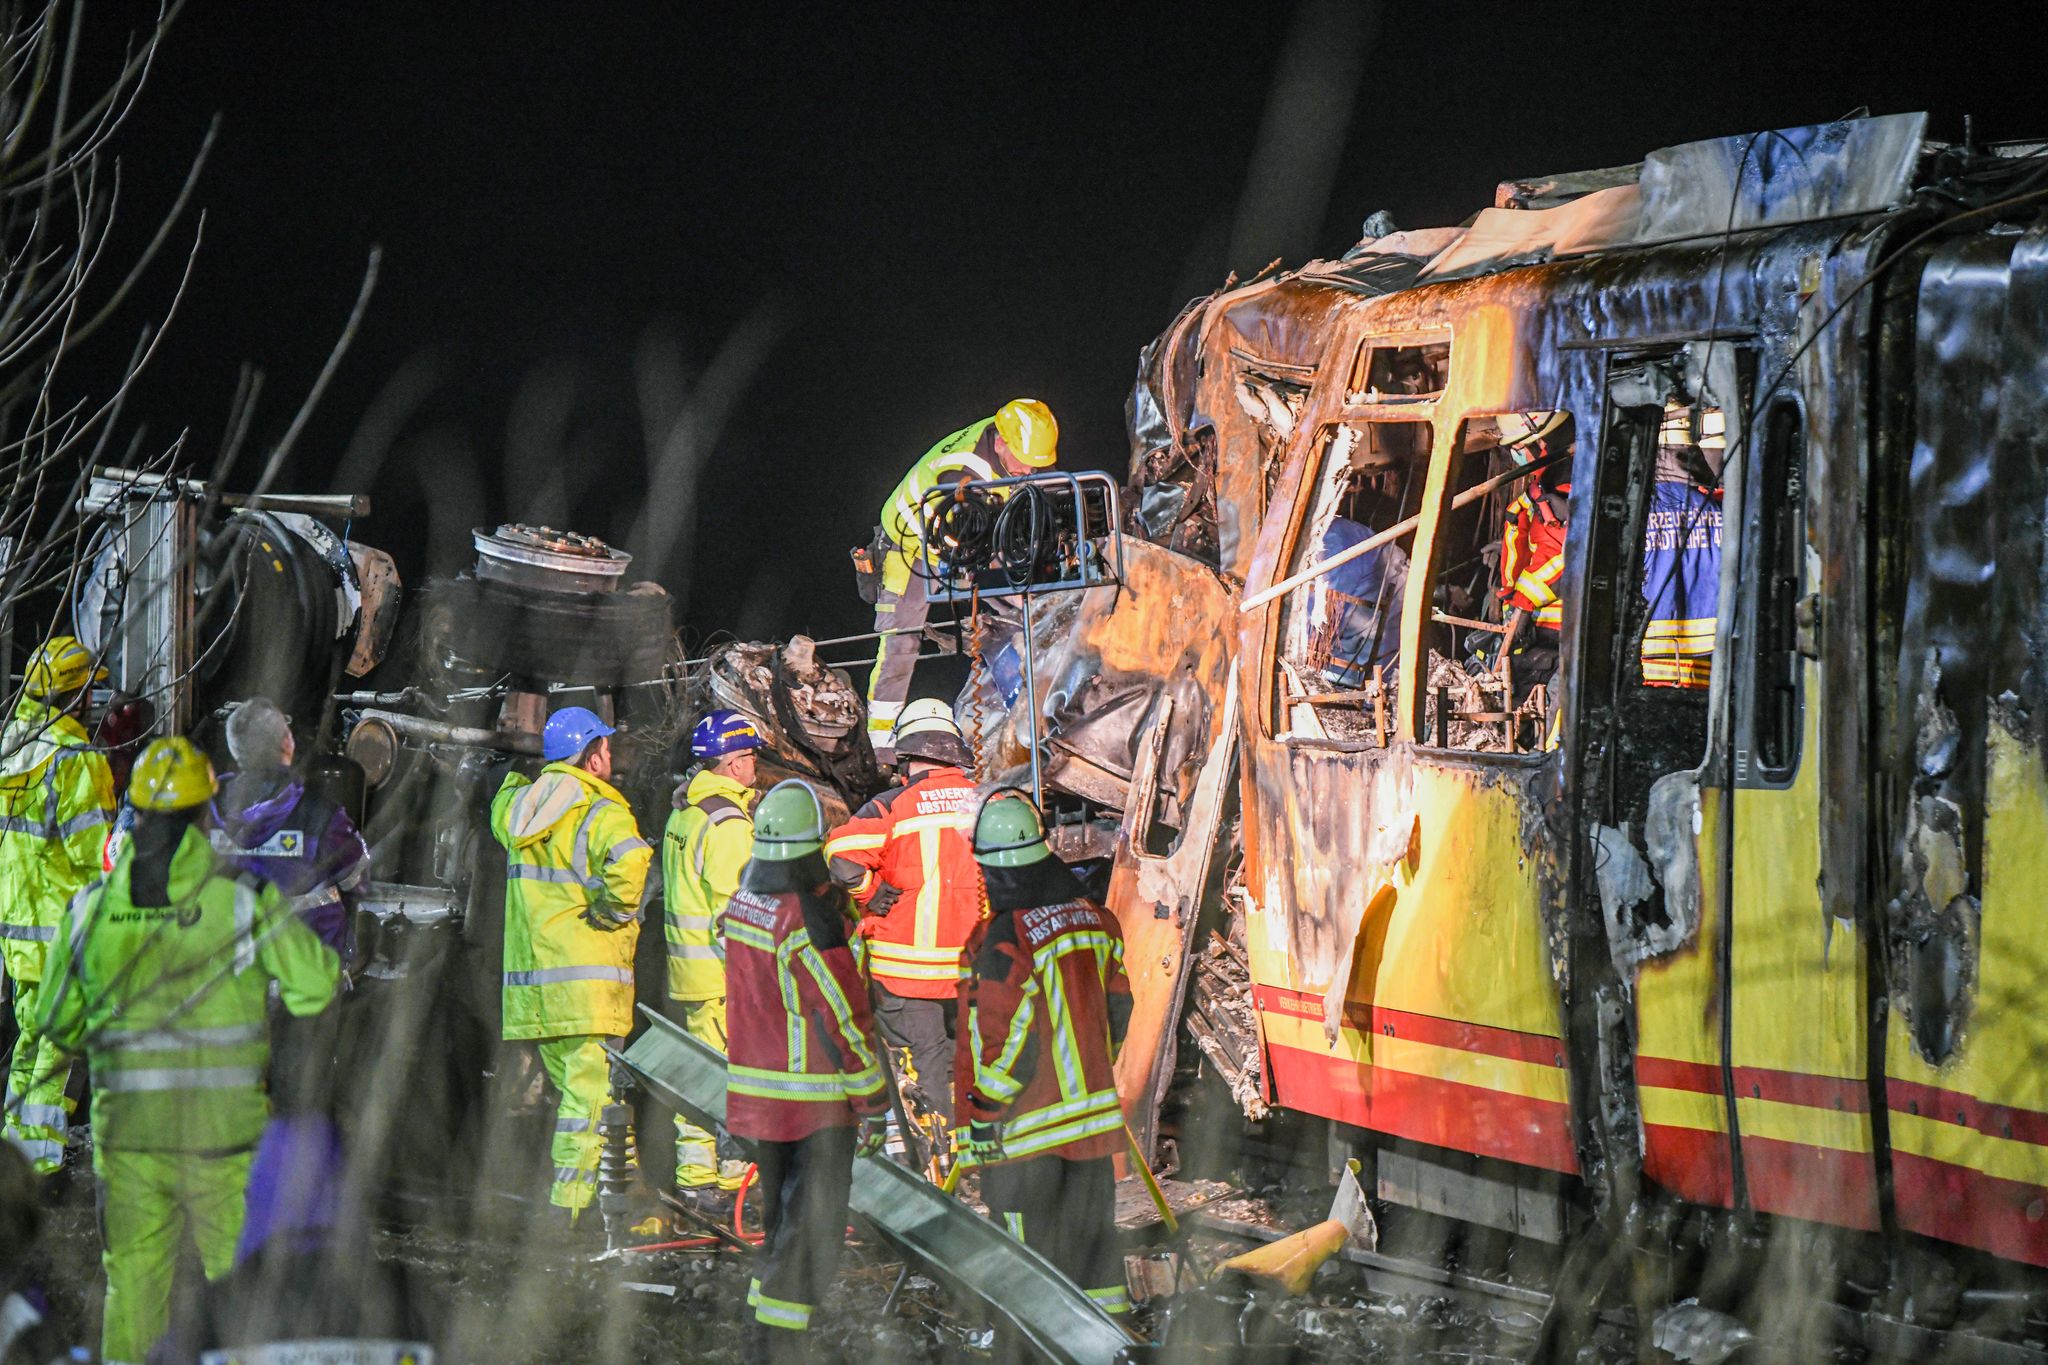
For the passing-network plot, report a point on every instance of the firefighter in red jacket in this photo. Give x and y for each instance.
(907, 856)
(1532, 541)
(1047, 1007)
(804, 1080)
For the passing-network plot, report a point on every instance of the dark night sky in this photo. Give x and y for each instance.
(926, 212)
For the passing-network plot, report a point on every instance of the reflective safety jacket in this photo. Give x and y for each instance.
(1532, 557)
(800, 1039)
(908, 858)
(56, 807)
(968, 454)
(168, 1002)
(1682, 583)
(708, 840)
(575, 868)
(1046, 1009)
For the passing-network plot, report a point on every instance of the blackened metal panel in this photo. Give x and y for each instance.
(1947, 645)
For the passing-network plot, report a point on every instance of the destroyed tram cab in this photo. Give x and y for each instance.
(1733, 902)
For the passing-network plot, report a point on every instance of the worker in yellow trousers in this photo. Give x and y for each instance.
(56, 805)
(575, 870)
(161, 975)
(708, 841)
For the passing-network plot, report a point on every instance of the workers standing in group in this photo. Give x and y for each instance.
(56, 805)
(708, 841)
(575, 869)
(907, 857)
(1047, 1005)
(1021, 438)
(160, 974)
(804, 1078)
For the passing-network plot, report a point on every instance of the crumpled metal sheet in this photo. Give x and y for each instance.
(955, 1243)
(1106, 658)
(1970, 634)
(1786, 175)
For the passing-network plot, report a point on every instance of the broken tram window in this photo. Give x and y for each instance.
(1491, 641)
(1340, 644)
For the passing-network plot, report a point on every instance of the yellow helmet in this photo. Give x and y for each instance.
(61, 665)
(171, 775)
(1028, 429)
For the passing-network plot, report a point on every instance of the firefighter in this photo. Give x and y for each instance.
(907, 857)
(575, 869)
(267, 820)
(1022, 437)
(1048, 1005)
(708, 840)
(57, 798)
(1532, 542)
(1682, 549)
(804, 1078)
(159, 974)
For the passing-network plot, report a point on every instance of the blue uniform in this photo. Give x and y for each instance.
(1682, 584)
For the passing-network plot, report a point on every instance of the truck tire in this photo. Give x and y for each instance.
(588, 639)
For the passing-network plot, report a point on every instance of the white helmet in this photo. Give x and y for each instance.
(926, 729)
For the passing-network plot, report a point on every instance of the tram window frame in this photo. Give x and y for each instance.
(1365, 723)
(1376, 367)
(1777, 667)
(1448, 631)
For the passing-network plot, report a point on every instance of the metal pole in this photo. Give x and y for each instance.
(1031, 703)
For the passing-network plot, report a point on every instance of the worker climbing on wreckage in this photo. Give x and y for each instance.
(907, 857)
(160, 975)
(804, 1079)
(57, 799)
(575, 870)
(709, 838)
(1020, 439)
(1047, 1006)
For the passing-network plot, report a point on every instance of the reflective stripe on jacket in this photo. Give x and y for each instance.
(168, 1002)
(919, 841)
(575, 869)
(1041, 1030)
(966, 454)
(56, 807)
(1681, 583)
(706, 844)
(801, 1042)
(1532, 558)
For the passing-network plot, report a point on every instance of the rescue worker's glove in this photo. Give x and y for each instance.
(981, 1145)
(874, 1134)
(885, 898)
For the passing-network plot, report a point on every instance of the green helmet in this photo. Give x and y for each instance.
(1008, 832)
(789, 823)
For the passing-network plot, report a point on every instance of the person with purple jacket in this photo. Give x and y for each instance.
(266, 821)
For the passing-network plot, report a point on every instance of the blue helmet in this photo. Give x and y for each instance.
(569, 732)
(721, 733)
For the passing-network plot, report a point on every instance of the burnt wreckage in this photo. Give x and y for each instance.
(1714, 924)
(1610, 942)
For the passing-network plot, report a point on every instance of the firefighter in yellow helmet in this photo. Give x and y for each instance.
(1022, 438)
(576, 867)
(56, 804)
(160, 975)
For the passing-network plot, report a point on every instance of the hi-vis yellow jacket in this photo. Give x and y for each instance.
(56, 803)
(575, 868)
(961, 456)
(707, 842)
(168, 1001)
